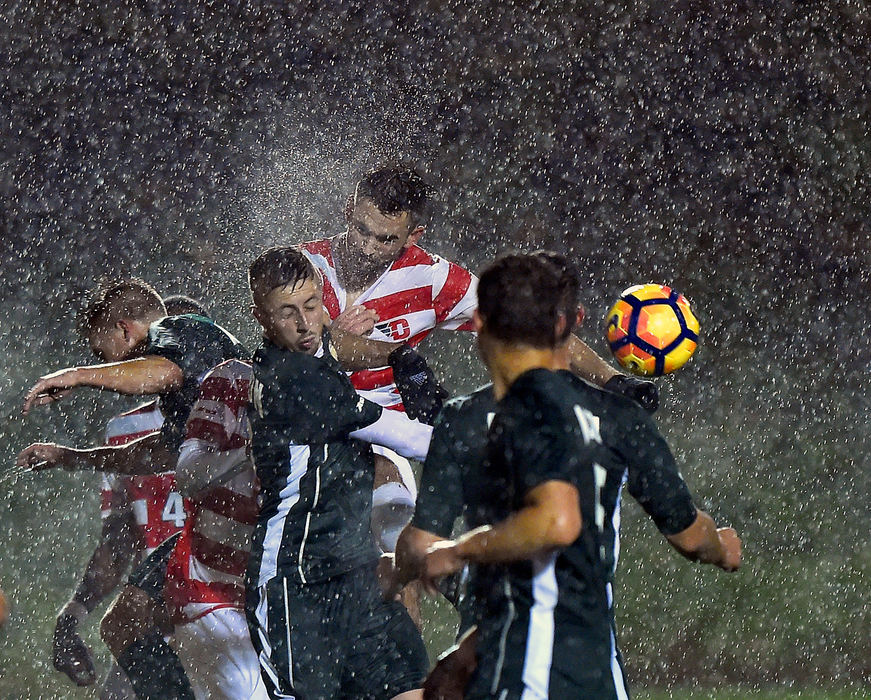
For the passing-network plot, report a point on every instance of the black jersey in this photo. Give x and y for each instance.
(196, 344)
(315, 481)
(451, 480)
(557, 610)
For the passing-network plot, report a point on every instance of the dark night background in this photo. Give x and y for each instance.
(722, 151)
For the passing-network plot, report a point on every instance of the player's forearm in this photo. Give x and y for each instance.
(147, 455)
(524, 535)
(356, 352)
(700, 541)
(144, 375)
(587, 364)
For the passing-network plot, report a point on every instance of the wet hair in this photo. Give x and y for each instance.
(279, 267)
(394, 189)
(178, 304)
(115, 300)
(521, 298)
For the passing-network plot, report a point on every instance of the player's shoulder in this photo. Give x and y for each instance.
(540, 393)
(319, 251)
(228, 378)
(481, 400)
(415, 256)
(273, 364)
(230, 370)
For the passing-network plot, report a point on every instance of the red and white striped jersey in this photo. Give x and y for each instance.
(158, 509)
(206, 570)
(417, 293)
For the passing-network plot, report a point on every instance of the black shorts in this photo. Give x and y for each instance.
(150, 575)
(334, 639)
(518, 656)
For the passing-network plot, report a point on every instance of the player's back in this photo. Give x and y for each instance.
(551, 611)
(195, 344)
(209, 562)
(554, 426)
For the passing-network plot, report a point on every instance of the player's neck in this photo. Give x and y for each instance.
(509, 362)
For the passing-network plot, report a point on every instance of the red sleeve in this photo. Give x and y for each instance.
(454, 297)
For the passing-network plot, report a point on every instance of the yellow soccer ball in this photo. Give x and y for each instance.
(652, 330)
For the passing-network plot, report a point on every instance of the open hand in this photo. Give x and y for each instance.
(44, 455)
(356, 320)
(50, 388)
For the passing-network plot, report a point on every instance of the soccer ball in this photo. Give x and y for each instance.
(652, 330)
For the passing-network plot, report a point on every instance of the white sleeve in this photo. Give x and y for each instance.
(395, 430)
(200, 466)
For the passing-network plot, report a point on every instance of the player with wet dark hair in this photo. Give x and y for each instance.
(548, 488)
(379, 282)
(317, 617)
(181, 304)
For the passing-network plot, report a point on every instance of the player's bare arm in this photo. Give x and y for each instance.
(550, 519)
(704, 542)
(145, 455)
(587, 364)
(103, 573)
(143, 375)
(355, 352)
(421, 393)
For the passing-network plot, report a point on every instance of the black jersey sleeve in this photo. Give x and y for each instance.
(307, 399)
(654, 480)
(194, 343)
(440, 496)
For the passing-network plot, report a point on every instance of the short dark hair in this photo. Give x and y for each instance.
(279, 267)
(178, 304)
(522, 296)
(114, 300)
(395, 188)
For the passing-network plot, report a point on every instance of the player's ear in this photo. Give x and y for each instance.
(477, 321)
(256, 313)
(580, 317)
(124, 326)
(414, 236)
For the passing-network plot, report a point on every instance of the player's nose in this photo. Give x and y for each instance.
(369, 247)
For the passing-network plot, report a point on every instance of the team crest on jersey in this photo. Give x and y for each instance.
(397, 329)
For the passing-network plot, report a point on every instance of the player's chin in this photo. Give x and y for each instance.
(308, 344)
